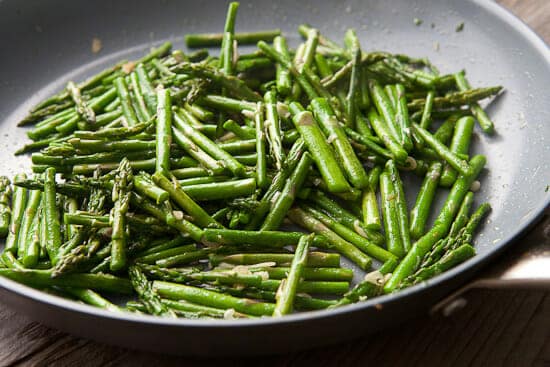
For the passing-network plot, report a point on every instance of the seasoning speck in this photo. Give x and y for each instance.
(459, 27)
(96, 45)
(417, 21)
(128, 67)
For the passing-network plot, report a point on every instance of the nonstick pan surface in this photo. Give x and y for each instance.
(46, 43)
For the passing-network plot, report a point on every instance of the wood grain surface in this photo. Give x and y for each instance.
(495, 328)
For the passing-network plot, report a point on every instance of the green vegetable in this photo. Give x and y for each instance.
(174, 178)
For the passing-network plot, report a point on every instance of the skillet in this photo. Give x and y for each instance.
(45, 44)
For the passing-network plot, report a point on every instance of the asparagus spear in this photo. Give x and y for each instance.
(424, 199)
(92, 298)
(460, 144)
(164, 130)
(287, 289)
(283, 78)
(81, 107)
(28, 212)
(442, 224)
(244, 38)
(273, 127)
(5, 207)
(147, 294)
(310, 223)
(319, 149)
(400, 205)
(125, 101)
(212, 299)
(286, 197)
(352, 166)
(117, 219)
(481, 116)
(180, 197)
(43, 278)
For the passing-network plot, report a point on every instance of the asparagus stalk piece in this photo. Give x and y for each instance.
(147, 294)
(5, 205)
(287, 289)
(117, 219)
(212, 299)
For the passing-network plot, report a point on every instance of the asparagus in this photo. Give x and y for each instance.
(230, 277)
(277, 184)
(81, 107)
(400, 205)
(481, 116)
(181, 120)
(244, 38)
(286, 197)
(319, 149)
(144, 185)
(347, 234)
(163, 136)
(185, 258)
(166, 215)
(371, 213)
(242, 132)
(212, 299)
(386, 110)
(261, 162)
(450, 157)
(283, 78)
(273, 127)
(234, 86)
(146, 88)
(96, 133)
(147, 294)
(113, 133)
(180, 197)
(425, 120)
(310, 223)
(315, 259)
(457, 99)
(394, 240)
(153, 257)
(31, 252)
(343, 216)
(384, 133)
(287, 289)
(221, 190)
(92, 298)
(43, 278)
(5, 208)
(460, 144)
(29, 211)
(441, 225)
(351, 98)
(142, 109)
(352, 166)
(424, 199)
(117, 219)
(327, 274)
(194, 151)
(260, 239)
(125, 101)
(285, 61)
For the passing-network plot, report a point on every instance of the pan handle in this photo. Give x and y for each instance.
(525, 266)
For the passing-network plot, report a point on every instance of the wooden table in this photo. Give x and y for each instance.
(495, 328)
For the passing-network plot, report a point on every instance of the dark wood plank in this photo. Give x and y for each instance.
(496, 328)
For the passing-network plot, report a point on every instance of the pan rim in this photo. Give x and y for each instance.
(67, 305)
